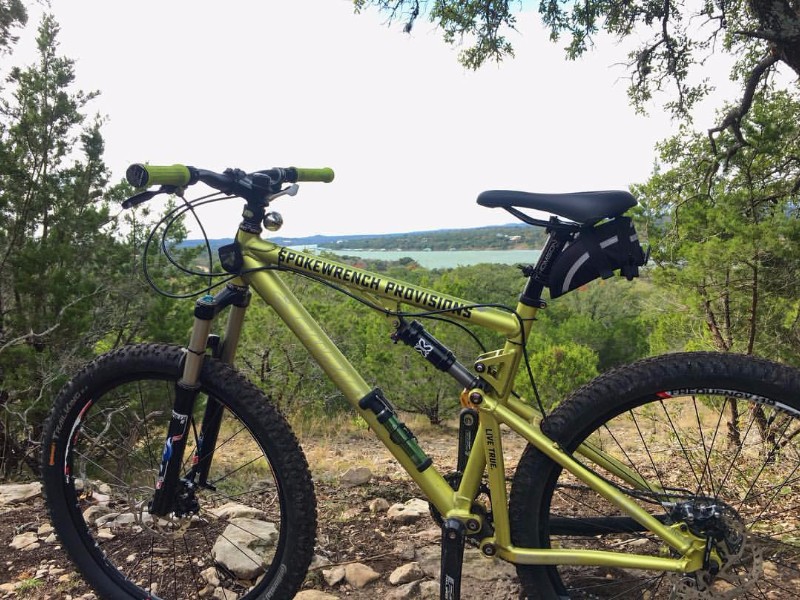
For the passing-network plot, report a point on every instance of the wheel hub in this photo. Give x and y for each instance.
(733, 565)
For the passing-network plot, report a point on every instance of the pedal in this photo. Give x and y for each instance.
(453, 536)
(467, 430)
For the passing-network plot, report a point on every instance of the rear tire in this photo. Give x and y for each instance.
(670, 420)
(253, 535)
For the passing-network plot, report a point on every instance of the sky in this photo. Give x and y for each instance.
(412, 136)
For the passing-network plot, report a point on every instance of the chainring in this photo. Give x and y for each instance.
(454, 479)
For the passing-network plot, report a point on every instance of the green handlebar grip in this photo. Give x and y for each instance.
(325, 175)
(140, 176)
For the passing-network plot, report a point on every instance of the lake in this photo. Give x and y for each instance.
(445, 259)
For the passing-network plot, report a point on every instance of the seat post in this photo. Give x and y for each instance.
(538, 276)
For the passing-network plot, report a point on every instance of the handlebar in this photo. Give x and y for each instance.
(140, 175)
(257, 186)
(323, 175)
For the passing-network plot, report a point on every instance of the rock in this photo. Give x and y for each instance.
(351, 513)
(378, 505)
(356, 476)
(405, 550)
(430, 535)
(122, 520)
(223, 594)
(104, 533)
(407, 513)
(245, 547)
(16, 493)
(359, 575)
(318, 561)
(333, 576)
(406, 573)
(476, 565)
(101, 499)
(233, 510)
(25, 541)
(44, 530)
(314, 595)
(210, 576)
(91, 514)
(487, 569)
(405, 592)
(429, 590)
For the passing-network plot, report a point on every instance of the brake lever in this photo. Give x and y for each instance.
(139, 198)
(287, 191)
(147, 195)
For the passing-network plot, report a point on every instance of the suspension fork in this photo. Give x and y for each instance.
(186, 391)
(212, 417)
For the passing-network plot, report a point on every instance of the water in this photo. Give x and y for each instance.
(446, 259)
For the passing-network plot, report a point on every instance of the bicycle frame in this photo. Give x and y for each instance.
(494, 404)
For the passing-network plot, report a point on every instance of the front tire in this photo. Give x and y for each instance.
(717, 435)
(250, 533)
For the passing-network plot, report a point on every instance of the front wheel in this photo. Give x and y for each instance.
(247, 531)
(711, 441)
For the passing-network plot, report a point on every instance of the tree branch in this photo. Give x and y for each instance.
(733, 120)
(32, 335)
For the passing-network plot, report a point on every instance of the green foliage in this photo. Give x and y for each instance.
(557, 370)
(673, 39)
(12, 14)
(483, 23)
(726, 242)
(587, 331)
(70, 286)
(607, 316)
(54, 241)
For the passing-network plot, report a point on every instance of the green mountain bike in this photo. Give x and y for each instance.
(168, 475)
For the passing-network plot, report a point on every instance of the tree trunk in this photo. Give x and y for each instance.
(780, 24)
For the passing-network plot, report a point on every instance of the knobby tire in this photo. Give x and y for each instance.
(713, 433)
(254, 532)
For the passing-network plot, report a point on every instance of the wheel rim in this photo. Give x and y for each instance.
(686, 444)
(235, 539)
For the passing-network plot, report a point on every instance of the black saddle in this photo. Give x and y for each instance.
(585, 208)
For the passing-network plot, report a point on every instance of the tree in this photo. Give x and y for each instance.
(677, 38)
(58, 255)
(606, 316)
(12, 14)
(727, 245)
(557, 370)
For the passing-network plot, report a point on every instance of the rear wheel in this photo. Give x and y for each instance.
(716, 438)
(249, 533)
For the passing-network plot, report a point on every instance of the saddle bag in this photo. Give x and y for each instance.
(597, 252)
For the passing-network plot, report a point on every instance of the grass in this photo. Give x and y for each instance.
(28, 586)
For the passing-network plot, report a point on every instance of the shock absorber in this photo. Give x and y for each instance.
(435, 352)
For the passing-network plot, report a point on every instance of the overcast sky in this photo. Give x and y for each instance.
(412, 136)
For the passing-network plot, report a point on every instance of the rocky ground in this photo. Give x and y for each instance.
(375, 538)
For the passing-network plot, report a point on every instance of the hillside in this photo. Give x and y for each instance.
(502, 237)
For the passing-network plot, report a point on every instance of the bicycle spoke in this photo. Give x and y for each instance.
(647, 451)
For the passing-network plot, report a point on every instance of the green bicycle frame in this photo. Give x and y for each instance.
(495, 405)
